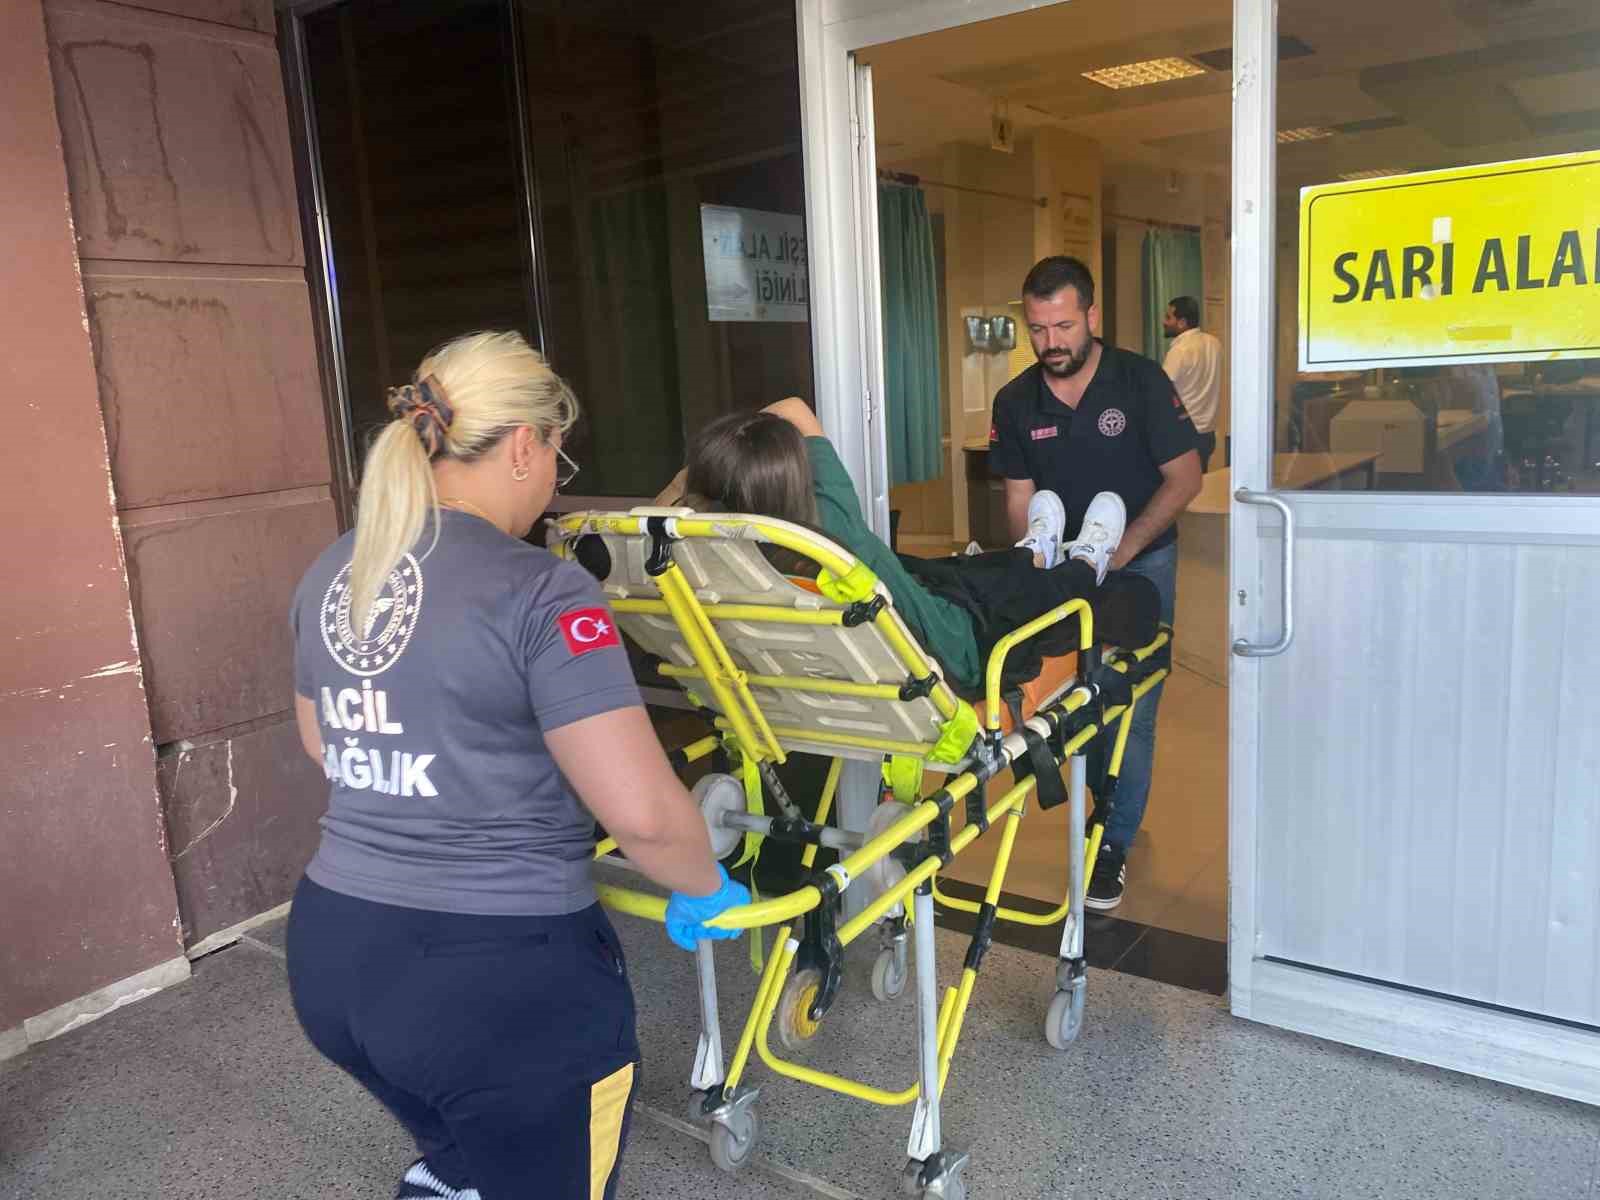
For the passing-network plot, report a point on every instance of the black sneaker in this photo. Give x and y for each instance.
(420, 1183)
(1110, 874)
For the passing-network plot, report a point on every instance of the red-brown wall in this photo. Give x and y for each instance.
(167, 483)
(86, 897)
(175, 137)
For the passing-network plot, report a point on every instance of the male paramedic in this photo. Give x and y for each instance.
(1087, 418)
(1194, 364)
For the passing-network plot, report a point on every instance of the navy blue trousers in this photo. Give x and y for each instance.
(506, 1045)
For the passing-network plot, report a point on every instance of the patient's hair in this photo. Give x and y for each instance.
(753, 463)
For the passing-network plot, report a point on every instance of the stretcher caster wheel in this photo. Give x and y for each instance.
(911, 1179)
(795, 1026)
(701, 1104)
(888, 976)
(1064, 1022)
(949, 1184)
(734, 1144)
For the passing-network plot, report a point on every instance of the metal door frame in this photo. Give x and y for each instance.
(1432, 1029)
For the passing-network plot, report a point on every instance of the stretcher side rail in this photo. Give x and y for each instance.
(805, 899)
(733, 631)
(778, 909)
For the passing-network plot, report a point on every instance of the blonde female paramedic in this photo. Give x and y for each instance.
(473, 709)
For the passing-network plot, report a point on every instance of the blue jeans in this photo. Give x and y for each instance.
(1138, 760)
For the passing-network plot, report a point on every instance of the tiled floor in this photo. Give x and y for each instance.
(1111, 943)
(1178, 870)
(209, 1090)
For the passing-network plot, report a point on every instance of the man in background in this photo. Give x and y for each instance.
(1194, 364)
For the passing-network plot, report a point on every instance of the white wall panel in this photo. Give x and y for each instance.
(1431, 772)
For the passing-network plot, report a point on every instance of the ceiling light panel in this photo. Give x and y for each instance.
(1142, 74)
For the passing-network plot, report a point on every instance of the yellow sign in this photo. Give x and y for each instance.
(1491, 263)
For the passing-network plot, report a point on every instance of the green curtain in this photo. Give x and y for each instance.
(1171, 267)
(910, 334)
(632, 344)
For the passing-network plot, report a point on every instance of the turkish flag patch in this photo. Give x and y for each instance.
(588, 629)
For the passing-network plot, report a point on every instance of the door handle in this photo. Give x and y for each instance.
(1247, 649)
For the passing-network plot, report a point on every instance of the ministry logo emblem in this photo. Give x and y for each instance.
(372, 650)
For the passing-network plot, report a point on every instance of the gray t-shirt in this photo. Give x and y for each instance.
(443, 793)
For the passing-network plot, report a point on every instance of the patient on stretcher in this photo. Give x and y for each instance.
(778, 463)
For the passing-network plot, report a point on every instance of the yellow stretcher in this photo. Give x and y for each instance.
(784, 665)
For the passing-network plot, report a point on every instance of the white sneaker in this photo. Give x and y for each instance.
(1101, 534)
(420, 1183)
(1047, 527)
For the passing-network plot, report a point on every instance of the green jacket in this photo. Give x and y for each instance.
(944, 629)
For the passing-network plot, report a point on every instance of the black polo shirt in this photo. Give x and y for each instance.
(1129, 422)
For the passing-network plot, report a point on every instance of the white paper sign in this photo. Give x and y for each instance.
(755, 264)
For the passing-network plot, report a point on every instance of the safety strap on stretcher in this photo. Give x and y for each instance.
(1037, 760)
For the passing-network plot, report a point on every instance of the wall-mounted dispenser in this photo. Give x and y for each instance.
(991, 335)
(979, 335)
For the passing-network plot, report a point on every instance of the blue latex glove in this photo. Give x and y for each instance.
(686, 915)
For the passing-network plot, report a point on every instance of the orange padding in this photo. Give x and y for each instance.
(1053, 676)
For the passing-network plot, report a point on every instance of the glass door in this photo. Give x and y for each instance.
(1416, 853)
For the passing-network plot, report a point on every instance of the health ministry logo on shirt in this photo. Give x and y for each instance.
(374, 649)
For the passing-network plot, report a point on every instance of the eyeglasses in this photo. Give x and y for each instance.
(566, 469)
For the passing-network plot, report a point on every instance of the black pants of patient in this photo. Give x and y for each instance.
(1002, 590)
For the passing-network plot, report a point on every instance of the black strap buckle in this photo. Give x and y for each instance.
(1044, 767)
(977, 814)
(982, 937)
(660, 546)
(1036, 759)
(863, 611)
(939, 839)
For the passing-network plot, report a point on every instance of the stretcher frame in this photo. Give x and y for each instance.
(1099, 702)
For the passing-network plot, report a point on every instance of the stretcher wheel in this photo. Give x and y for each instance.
(1064, 1022)
(795, 1026)
(734, 1144)
(953, 1186)
(911, 1179)
(888, 976)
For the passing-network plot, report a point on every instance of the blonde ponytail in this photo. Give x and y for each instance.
(397, 497)
(475, 389)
